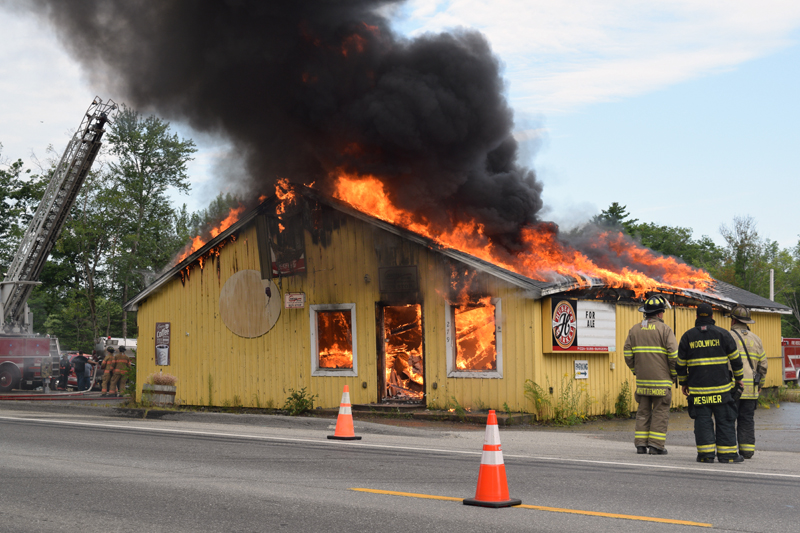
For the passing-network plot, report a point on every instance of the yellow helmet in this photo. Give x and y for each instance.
(655, 304)
(742, 314)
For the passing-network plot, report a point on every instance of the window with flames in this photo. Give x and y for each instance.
(474, 339)
(333, 340)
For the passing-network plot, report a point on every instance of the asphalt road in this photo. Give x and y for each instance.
(70, 468)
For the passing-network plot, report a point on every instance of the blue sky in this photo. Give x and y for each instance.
(684, 111)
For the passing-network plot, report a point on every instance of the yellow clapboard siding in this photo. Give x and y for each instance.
(260, 371)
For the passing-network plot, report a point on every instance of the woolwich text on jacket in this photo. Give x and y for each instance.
(704, 353)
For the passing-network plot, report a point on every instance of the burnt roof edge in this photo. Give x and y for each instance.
(133, 303)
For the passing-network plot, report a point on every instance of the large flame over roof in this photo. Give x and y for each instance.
(541, 254)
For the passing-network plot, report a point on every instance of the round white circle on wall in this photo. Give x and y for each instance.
(248, 305)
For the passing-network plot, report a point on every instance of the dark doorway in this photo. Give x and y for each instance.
(401, 361)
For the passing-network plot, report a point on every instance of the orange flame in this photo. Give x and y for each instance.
(403, 351)
(286, 194)
(335, 339)
(544, 256)
(198, 241)
(475, 336)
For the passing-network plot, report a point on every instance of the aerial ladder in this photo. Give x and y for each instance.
(17, 339)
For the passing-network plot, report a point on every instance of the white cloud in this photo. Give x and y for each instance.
(561, 55)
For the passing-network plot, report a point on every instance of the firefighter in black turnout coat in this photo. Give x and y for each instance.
(703, 356)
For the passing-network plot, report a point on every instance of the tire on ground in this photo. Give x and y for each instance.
(9, 377)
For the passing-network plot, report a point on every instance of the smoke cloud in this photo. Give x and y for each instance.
(303, 88)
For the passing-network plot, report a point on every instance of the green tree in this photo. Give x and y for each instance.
(151, 160)
(746, 254)
(616, 216)
(20, 193)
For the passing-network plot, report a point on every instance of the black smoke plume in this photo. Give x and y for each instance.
(306, 87)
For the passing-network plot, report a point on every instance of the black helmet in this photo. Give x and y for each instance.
(655, 304)
(110, 349)
(121, 348)
(742, 314)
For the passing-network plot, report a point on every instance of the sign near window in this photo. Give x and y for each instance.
(581, 369)
(294, 300)
(162, 343)
(583, 326)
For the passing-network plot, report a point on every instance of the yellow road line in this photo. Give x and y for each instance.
(541, 508)
(613, 515)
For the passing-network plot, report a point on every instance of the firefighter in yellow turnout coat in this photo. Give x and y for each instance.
(754, 365)
(120, 379)
(108, 369)
(651, 352)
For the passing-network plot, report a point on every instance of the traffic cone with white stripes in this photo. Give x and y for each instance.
(492, 488)
(344, 423)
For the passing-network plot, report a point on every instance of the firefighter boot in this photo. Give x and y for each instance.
(641, 449)
(737, 459)
(657, 451)
(705, 458)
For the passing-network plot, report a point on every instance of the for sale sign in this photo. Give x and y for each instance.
(583, 326)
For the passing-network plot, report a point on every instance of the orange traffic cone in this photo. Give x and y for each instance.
(344, 423)
(492, 488)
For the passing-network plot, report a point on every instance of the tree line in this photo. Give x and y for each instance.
(744, 260)
(122, 230)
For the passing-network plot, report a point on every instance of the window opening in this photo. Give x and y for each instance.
(474, 339)
(333, 340)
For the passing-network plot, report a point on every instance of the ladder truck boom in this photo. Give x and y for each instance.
(50, 217)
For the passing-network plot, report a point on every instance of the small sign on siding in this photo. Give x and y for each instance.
(162, 343)
(581, 369)
(294, 300)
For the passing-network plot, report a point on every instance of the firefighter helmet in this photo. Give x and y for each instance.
(655, 304)
(742, 314)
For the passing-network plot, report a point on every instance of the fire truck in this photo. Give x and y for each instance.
(22, 352)
(791, 360)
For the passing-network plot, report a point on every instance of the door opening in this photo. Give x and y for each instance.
(401, 362)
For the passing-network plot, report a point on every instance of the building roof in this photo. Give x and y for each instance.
(722, 295)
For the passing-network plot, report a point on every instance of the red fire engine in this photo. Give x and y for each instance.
(791, 360)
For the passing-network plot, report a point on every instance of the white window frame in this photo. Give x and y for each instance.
(452, 370)
(315, 368)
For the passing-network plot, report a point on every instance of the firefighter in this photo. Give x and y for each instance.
(64, 368)
(108, 370)
(704, 353)
(650, 352)
(120, 379)
(754, 363)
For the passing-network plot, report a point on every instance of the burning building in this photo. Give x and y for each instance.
(307, 291)
(410, 260)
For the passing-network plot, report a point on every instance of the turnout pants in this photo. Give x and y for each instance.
(118, 383)
(106, 381)
(710, 440)
(652, 419)
(746, 426)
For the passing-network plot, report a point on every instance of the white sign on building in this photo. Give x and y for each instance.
(294, 300)
(581, 369)
(583, 326)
